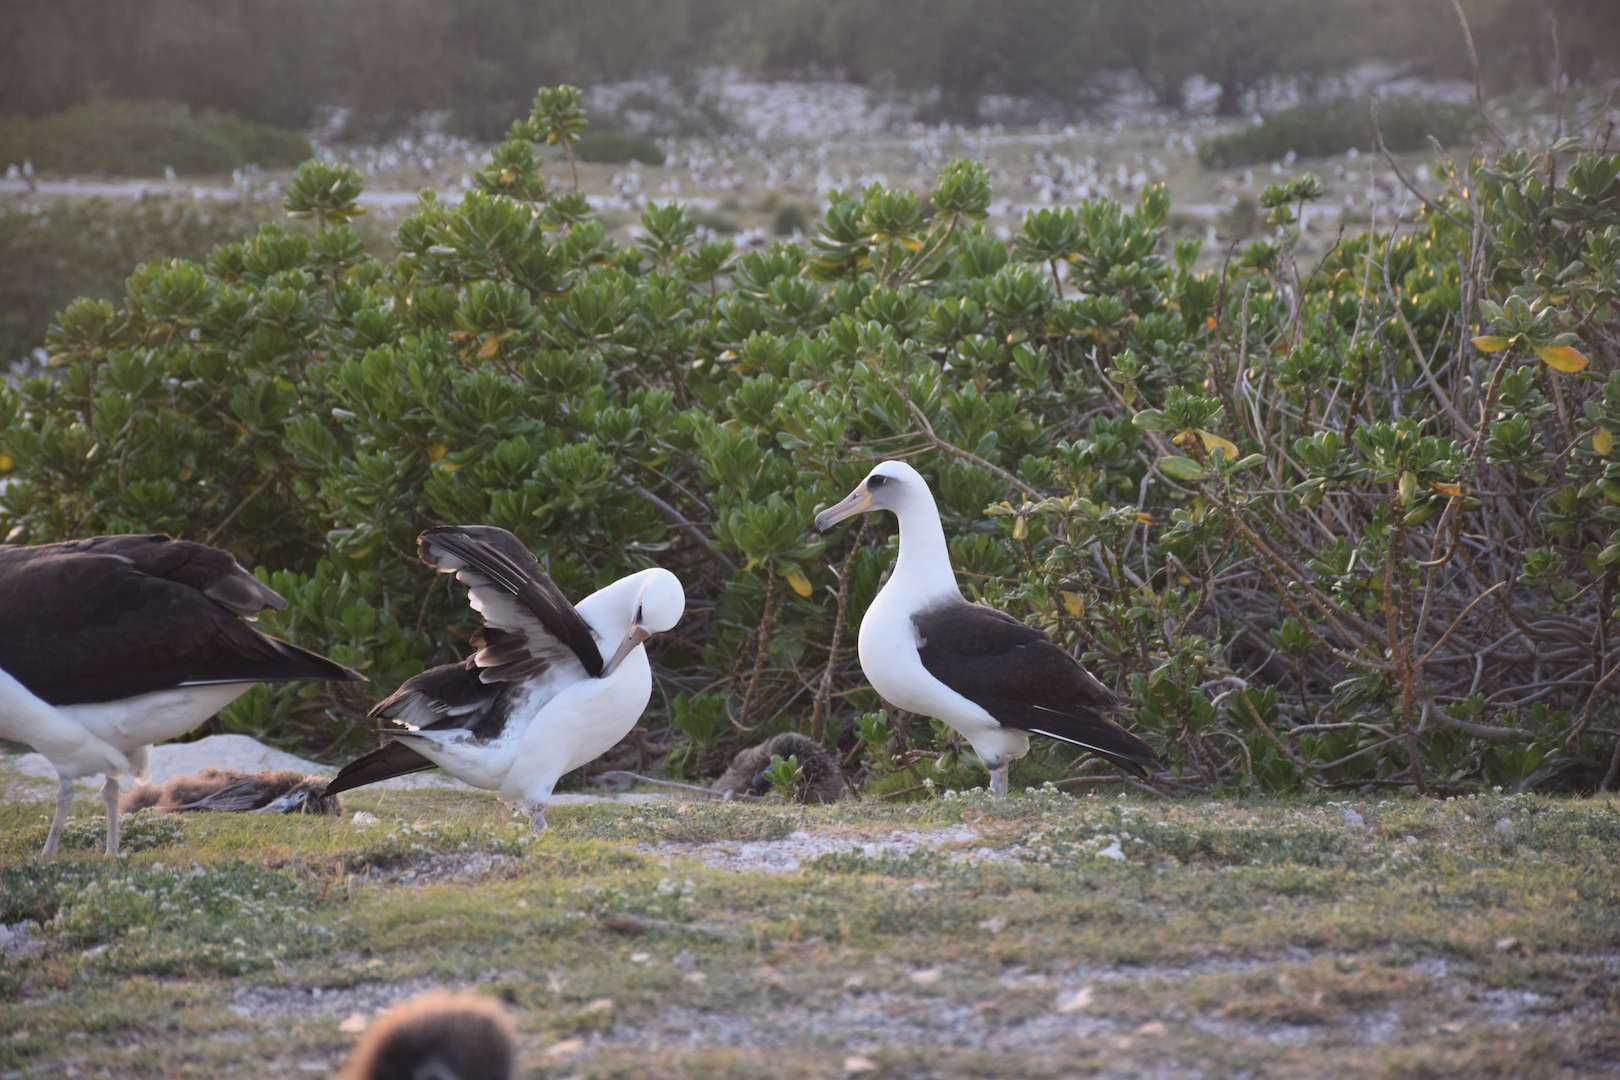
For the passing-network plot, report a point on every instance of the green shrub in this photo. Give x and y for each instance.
(790, 216)
(617, 147)
(144, 138)
(1314, 131)
(1324, 528)
(51, 254)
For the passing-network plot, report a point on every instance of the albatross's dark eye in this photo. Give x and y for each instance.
(876, 481)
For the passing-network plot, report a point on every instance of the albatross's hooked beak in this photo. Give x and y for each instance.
(855, 502)
(636, 636)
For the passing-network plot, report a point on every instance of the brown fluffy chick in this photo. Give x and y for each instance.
(437, 1036)
(277, 791)
(822, 782)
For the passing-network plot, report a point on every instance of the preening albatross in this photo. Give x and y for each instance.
(990, 677)
(111, 644)
(550, 688)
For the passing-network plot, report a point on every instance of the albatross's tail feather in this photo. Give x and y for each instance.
(389, 760)
(1092, 731)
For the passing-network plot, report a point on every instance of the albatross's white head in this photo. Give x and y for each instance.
(633, 609)
(893, 485)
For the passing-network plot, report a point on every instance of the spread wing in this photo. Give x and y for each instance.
(533, 643)
(117, 616)
(530, 628)
(1025, 680)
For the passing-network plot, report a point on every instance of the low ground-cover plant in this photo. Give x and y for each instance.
(145, 138)
(1338, 526)
(226, 919)
(1322, 130)
(1316, 917)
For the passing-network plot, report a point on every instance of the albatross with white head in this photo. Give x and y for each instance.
(993, 679)
(111, 644)
(550, 687)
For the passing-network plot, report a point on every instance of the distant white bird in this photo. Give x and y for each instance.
(990, 677)
(437, 1036)
(111, 644)
(537, 699)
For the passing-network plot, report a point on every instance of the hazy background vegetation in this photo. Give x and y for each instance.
(279, 61)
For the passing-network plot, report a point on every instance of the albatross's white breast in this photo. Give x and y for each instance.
(155, 717)
(69, 747)
(888, 649)
(580, 724)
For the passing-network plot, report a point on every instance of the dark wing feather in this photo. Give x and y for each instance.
(1025, 680)
(117, 616)
(389, 760)
(450, 696)
(445, 697)
(498, 569)
(242, 795)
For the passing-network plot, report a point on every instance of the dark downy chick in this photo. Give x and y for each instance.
(822, 781)
(270, 792)
(439, 1036)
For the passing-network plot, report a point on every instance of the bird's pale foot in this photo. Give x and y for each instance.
(998, 781)
(64, 804)
(109, 795)
(537, 814)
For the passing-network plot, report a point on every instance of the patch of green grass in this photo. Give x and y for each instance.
(1314, 947)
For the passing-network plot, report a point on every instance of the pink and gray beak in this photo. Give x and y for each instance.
(636, 636)
(856, 502)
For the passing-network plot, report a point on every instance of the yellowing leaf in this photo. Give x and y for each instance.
(1073, 603)
(800, 583)
(437, 451)
(1602, 442)
(1562, 358)
(1182, 468)
(1145, 519)
(1020, 528)
(1211, 441)
(491, 347)
(6, 463)
(450, 466)
(1491, 343)
(912, 244)
(1447, 489)
(186, 473)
